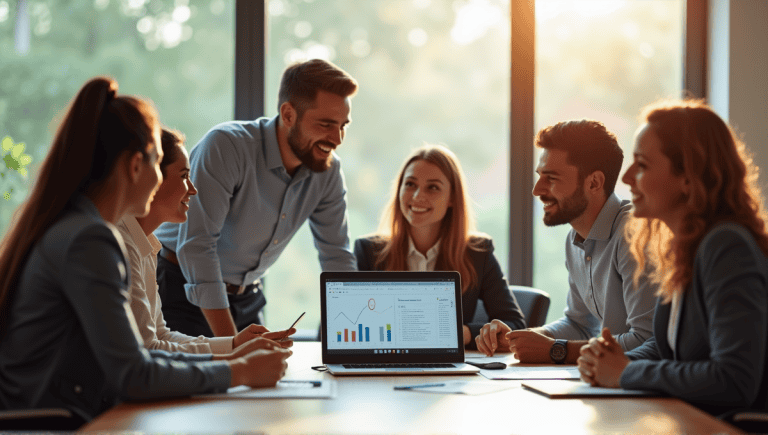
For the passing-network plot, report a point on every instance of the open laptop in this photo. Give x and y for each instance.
(392, 323)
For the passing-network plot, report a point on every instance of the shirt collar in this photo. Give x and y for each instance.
(145, 244)
(272, 151)
(271, 147)
(603, 226)
(431, 253)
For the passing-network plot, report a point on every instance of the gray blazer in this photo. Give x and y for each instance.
(491, 287)
(720, 360)
(71, 341)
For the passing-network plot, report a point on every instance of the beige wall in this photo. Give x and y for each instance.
(738, 72)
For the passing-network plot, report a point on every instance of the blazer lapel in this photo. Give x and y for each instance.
(660, 327)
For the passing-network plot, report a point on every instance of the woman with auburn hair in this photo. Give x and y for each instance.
(67, 339)
(428, 225)
(170, 204)
(701, 227)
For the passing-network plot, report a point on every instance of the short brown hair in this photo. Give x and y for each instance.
(302, 80)
(589, 146)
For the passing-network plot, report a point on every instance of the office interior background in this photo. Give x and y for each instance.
(480, 76)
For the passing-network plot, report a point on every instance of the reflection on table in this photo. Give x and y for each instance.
(371, 405)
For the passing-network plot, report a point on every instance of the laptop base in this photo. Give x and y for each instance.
(458, 369)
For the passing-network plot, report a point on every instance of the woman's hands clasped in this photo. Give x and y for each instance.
(602, 361)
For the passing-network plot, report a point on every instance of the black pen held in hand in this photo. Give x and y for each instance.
(294, 324)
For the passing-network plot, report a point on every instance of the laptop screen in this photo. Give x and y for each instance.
(391, 317)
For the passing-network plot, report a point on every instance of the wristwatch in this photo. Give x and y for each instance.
(558, 351)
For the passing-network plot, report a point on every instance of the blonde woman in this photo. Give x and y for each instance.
(428, 225)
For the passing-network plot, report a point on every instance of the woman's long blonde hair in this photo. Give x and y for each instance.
(723, 188)
(457, 232)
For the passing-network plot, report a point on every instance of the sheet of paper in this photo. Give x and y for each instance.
(557, 389)
(285, 389)
(517, 372)
(472, 388)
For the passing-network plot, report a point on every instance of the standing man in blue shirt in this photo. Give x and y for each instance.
(578, 169)
(258, 182)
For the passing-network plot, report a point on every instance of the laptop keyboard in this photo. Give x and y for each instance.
(399, 366)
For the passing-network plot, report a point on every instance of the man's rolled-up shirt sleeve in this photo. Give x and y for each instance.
(216, 165)
(330, 228)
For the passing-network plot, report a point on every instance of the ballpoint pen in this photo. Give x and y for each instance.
(410, 387)
(294, 324)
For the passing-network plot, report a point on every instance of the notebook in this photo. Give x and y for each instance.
(392, 323)
(565, 389)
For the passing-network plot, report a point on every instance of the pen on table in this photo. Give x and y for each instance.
(410, 387)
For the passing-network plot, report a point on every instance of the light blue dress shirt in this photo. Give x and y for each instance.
(602, 293)
(248, 208)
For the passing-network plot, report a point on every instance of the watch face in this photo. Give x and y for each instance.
(557, 352)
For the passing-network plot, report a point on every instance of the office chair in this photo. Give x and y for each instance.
(533, 302)
(44, 419)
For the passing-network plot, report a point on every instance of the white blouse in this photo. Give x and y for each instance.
(417, 262)
(145, 301)
(674, 320)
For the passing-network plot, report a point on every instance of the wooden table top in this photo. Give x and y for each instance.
(370, 405)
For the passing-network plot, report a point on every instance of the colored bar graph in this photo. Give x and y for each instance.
(345, 334)
(360, 331)
(389, 332)
(353, 336)
(338, 336)
(381, 333)
(367, 336)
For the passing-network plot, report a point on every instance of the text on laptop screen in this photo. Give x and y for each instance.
(391, 317)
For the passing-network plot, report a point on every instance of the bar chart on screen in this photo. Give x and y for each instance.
(390, 315)
(363, 320)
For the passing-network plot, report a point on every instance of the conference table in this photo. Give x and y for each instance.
(371, 405)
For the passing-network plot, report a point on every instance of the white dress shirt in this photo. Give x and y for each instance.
(145, 303)
(417, 262)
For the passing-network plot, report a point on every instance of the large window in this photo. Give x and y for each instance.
(433, 71)
(602, 60)
(178, 54)
(429, 70)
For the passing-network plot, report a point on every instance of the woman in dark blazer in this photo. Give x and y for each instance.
(67, 337)
(702, 227)
(428, 226)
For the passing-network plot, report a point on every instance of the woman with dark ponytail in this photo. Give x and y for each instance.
(67, 338)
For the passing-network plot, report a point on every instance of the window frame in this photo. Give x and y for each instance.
(250, 72)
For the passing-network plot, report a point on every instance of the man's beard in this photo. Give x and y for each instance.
(567, 210)
(305, 155)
